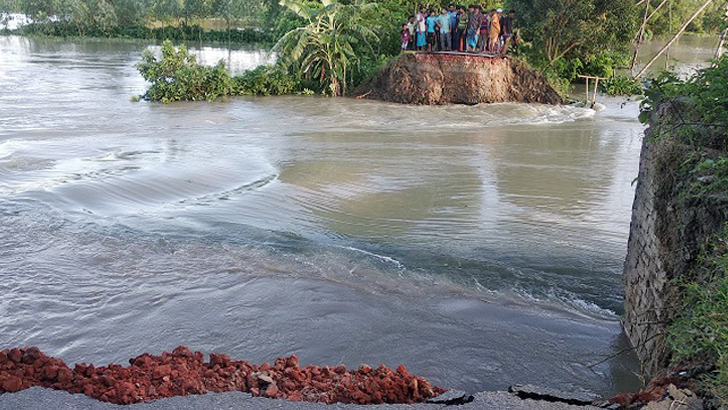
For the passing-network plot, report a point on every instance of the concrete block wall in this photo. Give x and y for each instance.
(668, 229)
(644, 276)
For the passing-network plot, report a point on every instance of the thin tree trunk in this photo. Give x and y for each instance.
(563, 53)
(677, 36)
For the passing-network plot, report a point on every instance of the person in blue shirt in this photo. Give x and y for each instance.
(443, 21)
(453, 13)
(431, 36)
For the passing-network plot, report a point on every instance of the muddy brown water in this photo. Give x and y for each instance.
(480, 246)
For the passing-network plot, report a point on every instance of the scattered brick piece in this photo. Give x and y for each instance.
(183, 372)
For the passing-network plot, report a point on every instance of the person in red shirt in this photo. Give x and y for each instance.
(405, 34)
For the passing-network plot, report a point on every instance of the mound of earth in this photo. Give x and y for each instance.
(183, 372)
(433, 79)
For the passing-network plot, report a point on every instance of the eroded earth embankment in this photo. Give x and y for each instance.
(433, 79)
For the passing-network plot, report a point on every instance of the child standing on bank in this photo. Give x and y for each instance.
(405, 34)
(431, 36)
(412, 27)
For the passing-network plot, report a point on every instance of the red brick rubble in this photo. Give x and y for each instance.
(184, 372)
(656, 390)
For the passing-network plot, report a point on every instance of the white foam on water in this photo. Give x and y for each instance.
(7, 148)
(566, 301)
(395, 262)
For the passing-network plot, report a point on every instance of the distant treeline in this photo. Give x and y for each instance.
(238, 20)
(177, 34)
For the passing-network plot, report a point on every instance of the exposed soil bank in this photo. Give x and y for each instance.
(433, 79)
(183, 372)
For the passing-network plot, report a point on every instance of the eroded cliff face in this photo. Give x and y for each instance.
(668, 228)
(433, 79)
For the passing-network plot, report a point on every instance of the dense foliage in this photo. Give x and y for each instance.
(103, 17)
(572, 37)
(178, 77)
(621, 85)
(700, 333)
(694, 113)
(183, 33)
(702, 117)
(330, 42)
(674, 13)
(267, 80)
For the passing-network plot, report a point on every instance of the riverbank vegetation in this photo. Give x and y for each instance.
(336, 45)
(693, 114)
(177, 76)
(672, 14)
(331, 43)
(565, 39)
(621, 85)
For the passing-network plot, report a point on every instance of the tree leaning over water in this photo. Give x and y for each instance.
(330, 42)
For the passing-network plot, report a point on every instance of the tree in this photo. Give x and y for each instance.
(167, 10)
(9, 6)
(560, 28)
(324, 48)
(131, 12)
(676, 12)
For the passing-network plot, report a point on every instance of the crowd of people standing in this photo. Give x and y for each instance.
(456, 29)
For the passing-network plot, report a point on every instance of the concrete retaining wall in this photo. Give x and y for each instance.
(667, 231)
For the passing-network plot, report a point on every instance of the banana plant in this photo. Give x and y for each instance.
(325, 47)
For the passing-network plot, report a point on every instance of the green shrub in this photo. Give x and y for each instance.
(267, 80)
(178, 77)
(703, 100)
(621, 85)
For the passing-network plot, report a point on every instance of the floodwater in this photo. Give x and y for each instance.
(480, 246)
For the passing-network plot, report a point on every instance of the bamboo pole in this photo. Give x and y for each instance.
(721, 43)
(677, 35)
(640, 37)
(596, 88)
(667, 52)
(654, 12)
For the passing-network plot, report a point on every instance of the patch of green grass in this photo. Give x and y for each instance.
(699, 334)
